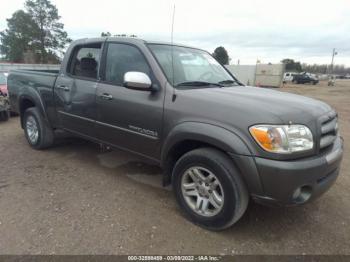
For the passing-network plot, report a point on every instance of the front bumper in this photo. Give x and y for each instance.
(298, 181)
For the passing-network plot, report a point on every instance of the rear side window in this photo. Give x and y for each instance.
(122, 58)
(85, 61)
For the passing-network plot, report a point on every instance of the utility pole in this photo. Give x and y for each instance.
(331, 80)
(333, 54)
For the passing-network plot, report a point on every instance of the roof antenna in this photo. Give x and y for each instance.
(172, 55)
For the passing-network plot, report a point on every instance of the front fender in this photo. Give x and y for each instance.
(218, 137)
(206, 133)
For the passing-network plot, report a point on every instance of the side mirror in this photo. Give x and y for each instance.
(138, 81)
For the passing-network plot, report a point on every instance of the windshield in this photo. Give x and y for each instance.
(2, 79)
(191, 66)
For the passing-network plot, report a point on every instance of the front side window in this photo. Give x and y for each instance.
(122, 58)
(85, 61)
(189, 65)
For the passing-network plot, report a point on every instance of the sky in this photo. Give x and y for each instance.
(250, 30)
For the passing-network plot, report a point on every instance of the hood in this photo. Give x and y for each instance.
(254, 105)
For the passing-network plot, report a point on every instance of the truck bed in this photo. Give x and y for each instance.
(24, 82)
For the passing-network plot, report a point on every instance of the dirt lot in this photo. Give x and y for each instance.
(73, 199)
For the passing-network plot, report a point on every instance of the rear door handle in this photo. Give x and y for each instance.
(106, 96)
(64, 88)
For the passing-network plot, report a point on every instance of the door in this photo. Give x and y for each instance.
(75, 91)
(126, 118)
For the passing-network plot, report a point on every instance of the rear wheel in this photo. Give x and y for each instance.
(5, 115)
(37, 131)
(209, 188)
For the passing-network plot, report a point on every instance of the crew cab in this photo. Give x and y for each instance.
(305, 78)
(220, 143)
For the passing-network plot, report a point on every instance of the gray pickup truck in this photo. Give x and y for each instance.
(219, 143)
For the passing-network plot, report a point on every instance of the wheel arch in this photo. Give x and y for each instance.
(31, 100)
(188, 136)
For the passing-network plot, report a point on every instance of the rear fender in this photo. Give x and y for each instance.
(32, 95)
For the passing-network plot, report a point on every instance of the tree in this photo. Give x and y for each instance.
(324, 69)
(291, 65)
(51, 36)
(37, 31)
(107, 34)
(18, 37)
(220, 54)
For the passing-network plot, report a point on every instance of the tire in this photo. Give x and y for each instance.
(4, 115)
(230, 187)
(7, 115)
(45, 134)
(12, 113)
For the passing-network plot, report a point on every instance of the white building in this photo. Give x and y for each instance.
(267, 75)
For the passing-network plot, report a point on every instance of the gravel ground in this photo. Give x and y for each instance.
(73, 199)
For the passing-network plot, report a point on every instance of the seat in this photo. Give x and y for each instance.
(87, 67)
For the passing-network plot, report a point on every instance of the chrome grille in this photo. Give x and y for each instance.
(329, 129)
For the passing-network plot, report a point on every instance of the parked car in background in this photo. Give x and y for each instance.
(3, 83)
(220, 143)
(305, 78)
(4, 101)
(288, 77)
(4, 107)
(342, 77)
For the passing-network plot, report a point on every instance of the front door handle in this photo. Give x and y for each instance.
(64, 88)
(106, 96)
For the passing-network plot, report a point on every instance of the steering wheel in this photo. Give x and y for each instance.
(206, 76)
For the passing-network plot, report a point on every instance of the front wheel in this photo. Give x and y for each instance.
(209, 188)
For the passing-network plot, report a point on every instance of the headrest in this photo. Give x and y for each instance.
(87, 63)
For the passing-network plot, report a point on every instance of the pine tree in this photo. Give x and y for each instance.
(51, 35)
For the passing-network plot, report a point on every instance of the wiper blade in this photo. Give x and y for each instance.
(199, 83)
(227, 82)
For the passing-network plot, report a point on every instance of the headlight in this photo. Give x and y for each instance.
(283, 139)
